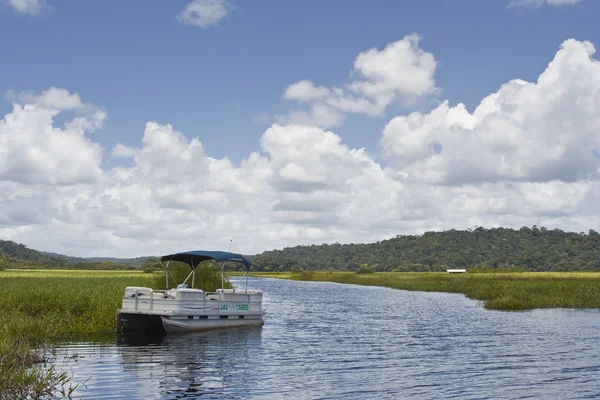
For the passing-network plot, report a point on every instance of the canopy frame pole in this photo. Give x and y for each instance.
(167, 275)
(222, 276)
(188, 277)
(193, 272)
(223, 267)
(172, 277)
(188, 257)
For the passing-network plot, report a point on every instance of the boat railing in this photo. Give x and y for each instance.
(213, 298)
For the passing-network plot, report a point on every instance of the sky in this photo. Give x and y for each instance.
(145, 128)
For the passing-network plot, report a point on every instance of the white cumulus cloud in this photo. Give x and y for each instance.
(528, 154)
(204, 13)
(527, 131)
(401, 72)
(32, 150)
(31, 7)
(539, 3)
(53, 98)
(122, 151)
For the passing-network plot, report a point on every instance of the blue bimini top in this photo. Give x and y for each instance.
(193, 258)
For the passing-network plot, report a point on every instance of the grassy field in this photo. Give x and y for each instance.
(498, 291)
(63, 304)
(38, 307)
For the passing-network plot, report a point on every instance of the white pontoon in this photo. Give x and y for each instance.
(184, 309)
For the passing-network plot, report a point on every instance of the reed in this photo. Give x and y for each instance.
(42, 306)
(497, 291)
(26, 374)
(39, 307)
(63, 304)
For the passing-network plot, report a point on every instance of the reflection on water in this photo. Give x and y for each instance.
(194, 364)
(325, 340)
(166, 366)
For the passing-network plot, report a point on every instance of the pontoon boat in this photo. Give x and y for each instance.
(184, 308)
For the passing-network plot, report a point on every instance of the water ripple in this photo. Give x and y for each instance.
(331, 341)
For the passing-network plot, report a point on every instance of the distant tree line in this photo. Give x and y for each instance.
(527, 249)
(14, 250)
(14, 263)
(17, 255)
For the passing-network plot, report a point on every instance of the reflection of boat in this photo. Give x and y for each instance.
(140, 337)
(212, 364)
(184, 309)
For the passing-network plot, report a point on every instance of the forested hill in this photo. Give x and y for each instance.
(531, 249)
(17, 255)
(10, 249)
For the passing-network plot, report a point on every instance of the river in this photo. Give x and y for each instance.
(332, 341)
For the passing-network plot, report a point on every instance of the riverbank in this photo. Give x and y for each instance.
(41, 306)
(497, 291)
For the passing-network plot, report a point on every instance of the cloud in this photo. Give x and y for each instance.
(33, 151)
(31, 7)
(122, 151)
(401, 72)
(539, 3)
(306, 91)
(527, 131)
(205, 13)
(528, 154)
(318, 115)
(307, 159)
(53, 98)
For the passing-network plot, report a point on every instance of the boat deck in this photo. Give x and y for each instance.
(190, 309)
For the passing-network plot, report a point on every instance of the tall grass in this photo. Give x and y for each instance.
(40, 307)
(498, 291)
(63, 305)
(24, 373)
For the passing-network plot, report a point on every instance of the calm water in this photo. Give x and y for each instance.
(326, 340)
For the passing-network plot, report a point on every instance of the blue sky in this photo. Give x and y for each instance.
(139, 63)
(138, 127)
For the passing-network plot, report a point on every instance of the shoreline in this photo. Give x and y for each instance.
(503, 291)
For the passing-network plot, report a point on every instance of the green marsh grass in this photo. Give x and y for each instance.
(39, 307)
(498, 291)
(61, 305)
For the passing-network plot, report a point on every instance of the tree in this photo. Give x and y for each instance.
(534, 249)
(152, 264)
